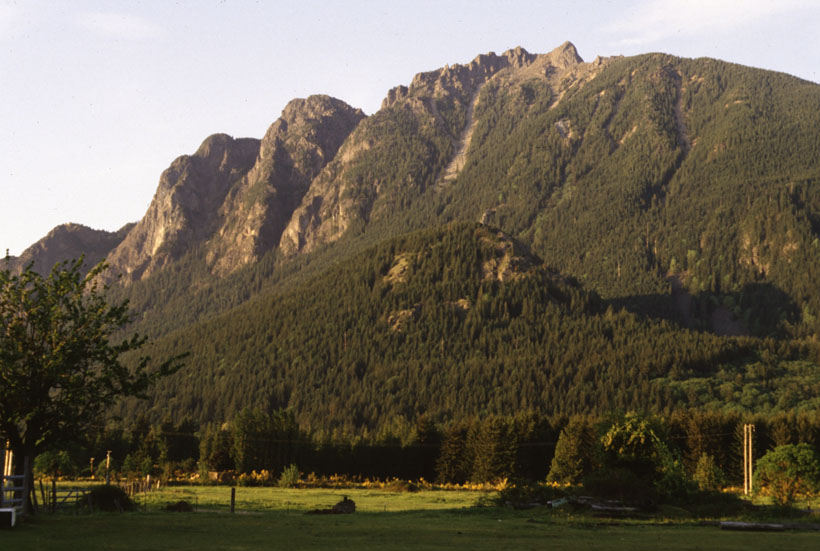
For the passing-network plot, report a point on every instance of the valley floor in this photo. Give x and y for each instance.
(274, 519)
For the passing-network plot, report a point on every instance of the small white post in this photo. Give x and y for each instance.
(108, 468)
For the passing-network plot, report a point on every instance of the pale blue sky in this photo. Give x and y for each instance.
(97, 98)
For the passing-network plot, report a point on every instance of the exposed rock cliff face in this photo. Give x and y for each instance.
(294, 150)
(233, 197)
(67, 242)
(185, 208)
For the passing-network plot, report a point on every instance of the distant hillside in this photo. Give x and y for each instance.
(67, 242)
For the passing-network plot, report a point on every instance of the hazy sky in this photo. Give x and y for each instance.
(97, 98)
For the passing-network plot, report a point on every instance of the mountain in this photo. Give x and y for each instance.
(68, 242)
(679, 195)
(415, 141)
(233, 196)
(682, 188)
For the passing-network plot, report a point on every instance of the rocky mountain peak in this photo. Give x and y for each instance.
(441, 103)
(184, 209)
(465, 79)
(458, 79)
(221, 151)
(295, 149)
(519, 57)
(302, 110)
(303, 183)
(319, 120)
(67, 242)
(564, 56)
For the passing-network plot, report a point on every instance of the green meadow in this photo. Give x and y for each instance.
(273, 518)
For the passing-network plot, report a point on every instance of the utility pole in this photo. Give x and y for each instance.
(747, 458)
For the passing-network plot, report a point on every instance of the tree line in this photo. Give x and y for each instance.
(697, 445)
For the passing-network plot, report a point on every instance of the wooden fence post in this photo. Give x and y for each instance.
(233, 498)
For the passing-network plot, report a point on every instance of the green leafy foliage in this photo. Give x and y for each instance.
(634, 445)
(289, 477)
(55, 463)
(59, 366)
(677, 189)
(263, 440)
(708, 475)
(787, 471)
(683, 192)
(429, 324)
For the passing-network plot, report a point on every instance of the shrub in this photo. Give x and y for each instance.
(633, 444)
(522, 494)
(253, 478)
(787, 471)
(708, 475)
(289, 477)
(398, 485)
(623, 485)
(110, 498)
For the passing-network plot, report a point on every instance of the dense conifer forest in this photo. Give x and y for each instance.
(456, 322)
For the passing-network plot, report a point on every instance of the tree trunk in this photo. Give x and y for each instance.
(28, 484)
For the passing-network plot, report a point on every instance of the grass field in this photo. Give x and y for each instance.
(283, 499)
(272, 518)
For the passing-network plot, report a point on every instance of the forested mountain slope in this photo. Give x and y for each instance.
(451, 322)
(658, 173)
(643, 177)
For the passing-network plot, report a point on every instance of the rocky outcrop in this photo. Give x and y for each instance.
(233, 197)
(185, 208)
(68, 242)
(294, 150)
(460, 80)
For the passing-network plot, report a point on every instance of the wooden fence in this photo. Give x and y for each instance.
(11, 492)
(140, 486)
(56, 499)
(64, 498)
